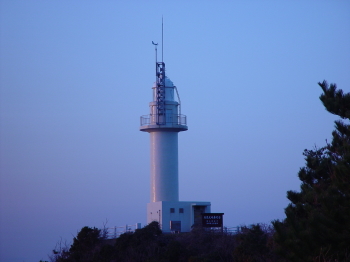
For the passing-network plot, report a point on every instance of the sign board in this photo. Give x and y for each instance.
(212, 219)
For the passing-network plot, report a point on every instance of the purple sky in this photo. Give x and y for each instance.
(75, 76)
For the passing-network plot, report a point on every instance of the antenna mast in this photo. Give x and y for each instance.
(155, 47)
(160, 87)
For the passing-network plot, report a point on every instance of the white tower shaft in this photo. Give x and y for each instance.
(164, 166)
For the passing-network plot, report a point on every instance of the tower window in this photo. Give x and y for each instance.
(181, 210)
(172, 210)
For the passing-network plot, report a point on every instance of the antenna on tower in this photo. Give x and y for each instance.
(155, 46)
(160, 87)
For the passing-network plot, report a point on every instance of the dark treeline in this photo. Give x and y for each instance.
(254, 243)
(316, 227)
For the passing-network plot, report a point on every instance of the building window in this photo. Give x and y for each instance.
(172, 210)
(181, 210)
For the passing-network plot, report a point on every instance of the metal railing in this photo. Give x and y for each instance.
(114, 232)
(232, 230)
(146, 120)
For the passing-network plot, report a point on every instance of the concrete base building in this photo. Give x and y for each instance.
(177, 216)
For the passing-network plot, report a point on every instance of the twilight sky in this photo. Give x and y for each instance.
(75, 76)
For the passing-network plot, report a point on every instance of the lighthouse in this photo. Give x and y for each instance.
(164, 123)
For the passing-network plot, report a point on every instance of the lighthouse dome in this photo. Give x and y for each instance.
(168, 82)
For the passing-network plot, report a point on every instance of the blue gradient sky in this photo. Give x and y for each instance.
(76, 76)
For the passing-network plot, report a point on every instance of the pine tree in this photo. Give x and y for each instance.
(85, 248)
(317, 223)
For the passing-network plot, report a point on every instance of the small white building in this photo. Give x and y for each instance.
(164, 123)
(177, 216)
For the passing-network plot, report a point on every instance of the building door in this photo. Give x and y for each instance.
(197, 215)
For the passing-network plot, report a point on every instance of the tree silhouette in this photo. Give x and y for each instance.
(317, 224)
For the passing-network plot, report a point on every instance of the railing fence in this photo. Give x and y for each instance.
(114, 232)
(173, 120)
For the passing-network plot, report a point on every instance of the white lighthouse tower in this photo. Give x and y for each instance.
(163, 124)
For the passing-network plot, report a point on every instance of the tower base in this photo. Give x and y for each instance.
(177, 216)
